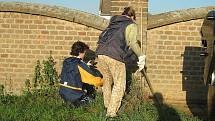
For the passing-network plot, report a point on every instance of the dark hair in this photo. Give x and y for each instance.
(78, 47)
(129, 11)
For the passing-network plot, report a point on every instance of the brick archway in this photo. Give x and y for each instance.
(62, 13)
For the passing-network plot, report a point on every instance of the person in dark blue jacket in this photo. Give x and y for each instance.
(76, 75)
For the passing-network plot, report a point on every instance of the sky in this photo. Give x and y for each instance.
(155, 6)
(159, 6)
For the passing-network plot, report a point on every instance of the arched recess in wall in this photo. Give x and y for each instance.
(62, 13)
(167, 18)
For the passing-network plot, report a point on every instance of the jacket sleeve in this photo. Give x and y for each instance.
(88, 76)
(131, 39)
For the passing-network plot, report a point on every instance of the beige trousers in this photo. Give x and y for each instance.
(114, 76)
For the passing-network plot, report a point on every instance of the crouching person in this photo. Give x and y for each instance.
(77, 78)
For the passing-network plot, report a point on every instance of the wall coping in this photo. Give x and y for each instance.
(167, 18)
(62, 13)
(98, 22)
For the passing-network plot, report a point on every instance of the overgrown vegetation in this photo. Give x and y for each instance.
(41, 102)
(45, 76)
(1, 89)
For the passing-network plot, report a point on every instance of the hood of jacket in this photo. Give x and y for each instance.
(118, 19)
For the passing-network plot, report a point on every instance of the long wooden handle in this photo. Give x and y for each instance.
(150, 85)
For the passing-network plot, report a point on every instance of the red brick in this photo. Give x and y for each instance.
(10, 21)
(41, 27)
(4, 55)
(19, 21)
(58, 47)
(60, 27)
(28, 21)
(38, 22)
(44, 32)
(63, 33)
(82, 33)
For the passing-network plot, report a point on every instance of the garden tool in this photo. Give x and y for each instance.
(143, 72)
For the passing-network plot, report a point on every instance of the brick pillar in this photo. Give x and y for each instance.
(141, 8)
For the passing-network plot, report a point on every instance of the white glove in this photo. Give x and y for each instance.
(141, 62)
(89, 63)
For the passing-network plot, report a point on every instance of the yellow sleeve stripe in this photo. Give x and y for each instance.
(71, 87)
(88, 78)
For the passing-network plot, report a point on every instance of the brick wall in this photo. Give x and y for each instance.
(172, 46)
(175, 67)
(26, 38)
(174, 64)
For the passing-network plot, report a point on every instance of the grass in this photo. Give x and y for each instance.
(43, 105)
(46, 105)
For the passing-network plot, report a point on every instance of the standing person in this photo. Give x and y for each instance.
(113, 45)
(77, 79)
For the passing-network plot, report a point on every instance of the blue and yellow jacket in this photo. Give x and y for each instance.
(74, 73)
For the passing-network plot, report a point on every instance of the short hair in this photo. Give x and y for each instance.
(78, 47)
(129, 11)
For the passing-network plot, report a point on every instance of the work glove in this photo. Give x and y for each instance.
(213, 79)
(89, 63)
(141, 62)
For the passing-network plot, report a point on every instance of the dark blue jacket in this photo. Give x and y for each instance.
(112, 41)
(74, 73)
